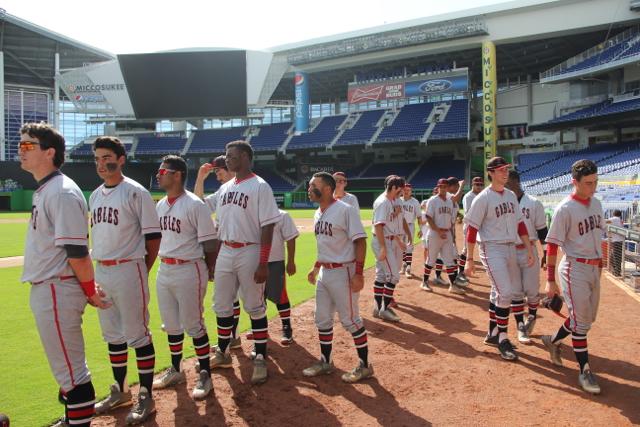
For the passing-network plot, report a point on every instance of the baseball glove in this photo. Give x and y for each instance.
(554, 304)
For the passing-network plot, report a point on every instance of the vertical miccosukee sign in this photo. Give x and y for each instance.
(302, 101)
(489, 91)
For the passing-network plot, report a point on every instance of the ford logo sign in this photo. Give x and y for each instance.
(434, 86)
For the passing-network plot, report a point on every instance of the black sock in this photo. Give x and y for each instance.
(492, 318)
(579, 342)
(259, 328)
(225, 326)
(517, 308)
(563, 332)
(236, 318)
(388, 294)
(462, 262)
(118, 355)
(427, 272)
(533, 308)
(502, 318)
(146, 360)
(452, 272)
(326, 343)
(439, 267)
(378, 292)
(79, 409)
(284, 311)
(202, 352)
(175, 347)
(404, 257)
(362, 346)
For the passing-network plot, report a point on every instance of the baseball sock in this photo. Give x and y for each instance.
(404, 257)
(579, 342)
(493, 325)
(326, 343)
(378, 292)
(563, 332)
(203, 349)
(118, 354)
(236, 318)
(517, 308)
(502, 319)
(452, 272)
(146, 360)
(225, 326)
(79, 409)
(427, 272)
(409, 260)
(175, 347)
(533, 308)
(362, 346)
(462, 262)
(439, 267)
(284, 311)
(388, 294)
(259, 328)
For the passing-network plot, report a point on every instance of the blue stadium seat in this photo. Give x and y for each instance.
(321, 135)
(213, 141)
(363, 129)
(409, 125)
(270, 137)
(156, 144)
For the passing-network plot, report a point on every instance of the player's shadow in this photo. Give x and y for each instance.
(447, 323)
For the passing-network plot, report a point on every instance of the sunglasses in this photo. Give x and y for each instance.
(27, 145)
(165, 171)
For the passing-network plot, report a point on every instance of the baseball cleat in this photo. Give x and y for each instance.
(491, 340)
(115, 400)
(403, 269)
(203, 386)
(287, 336)
(143, 409)
(530, 323)
(507, 352)
(456, 290)
(169, 378)
(233, 344)
(439, 281)
(587, 381)
(463, 278)
(425, 287)
(62, 422)
(318, 368)
(389, 315)
(460, 283)
(554, 350)
(376, 313)
(259, 370)
(221, 360)
(408, 274)
(523, 335)
(360, 373)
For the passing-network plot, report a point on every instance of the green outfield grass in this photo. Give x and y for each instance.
(14, 215)
(28, 394)
(12, 238)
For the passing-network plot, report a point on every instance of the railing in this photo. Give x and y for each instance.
(622, 255)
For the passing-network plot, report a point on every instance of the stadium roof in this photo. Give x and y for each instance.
(29, 52)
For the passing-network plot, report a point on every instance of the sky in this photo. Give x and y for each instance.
(136, 26)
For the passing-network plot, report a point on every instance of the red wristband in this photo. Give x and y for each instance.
(522, 229)
(472, 234)
(89, 288)
(551, 273)
(316, 265)
(359, 267)
(265, 250)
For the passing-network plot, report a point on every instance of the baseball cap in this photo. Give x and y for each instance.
(497, 163)
(477, 180)
(219, 163)
(339, 173)
(443, 182)
(407, 185)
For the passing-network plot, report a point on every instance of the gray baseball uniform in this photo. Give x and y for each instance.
(387, 271)
(441, 211)
(182, 277)
(336, 228)
(58, 218)
(577, 228)
(120, 217)
(283, 231)
(411, 209)
(496, 216)
(351, 200)
(534, 218)
(243, 208)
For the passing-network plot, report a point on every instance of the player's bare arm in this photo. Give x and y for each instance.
(211, 249)
(357, 281)
(458, 196)
(203, 173)
(441, 231)
(551, 287)
(262, 272)
(152, 247)
(291, 257)
(470, 267)
(382, 255)
(83, 270)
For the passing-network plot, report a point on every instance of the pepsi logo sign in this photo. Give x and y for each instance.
(298, 79)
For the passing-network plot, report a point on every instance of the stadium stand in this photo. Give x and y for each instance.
(155, 144)
(435, 168)
(321, 135)
(86, 149)
(456, 123)
(270, 137)
(212, 141)
(409, 125)
(529, 161)
(363, 129)
(383, 170)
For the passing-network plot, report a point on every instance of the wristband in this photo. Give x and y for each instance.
(265, 250)
(359, 267)
(89, 288)
(551, 273)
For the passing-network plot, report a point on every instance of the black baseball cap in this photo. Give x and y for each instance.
(497, 163)
(219, 162)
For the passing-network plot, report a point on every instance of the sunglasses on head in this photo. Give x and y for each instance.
(165, 171)
(27, 145)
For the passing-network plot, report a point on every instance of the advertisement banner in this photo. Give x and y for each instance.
(301, 84)
(306, 171)
(375, 92)
(437, 86)
(489, 91)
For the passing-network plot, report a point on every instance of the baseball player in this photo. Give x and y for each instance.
(441, 215)
(341, 194)
(219, 167)
(388, 219)
(577, 227)
(424, 225)
(477, 185)
(411, 210)
(534, 218)
(126, 236)
(494, 216)
(58, 266)
(456, 190)
(247, 213)
(341, 243)
(188, 234)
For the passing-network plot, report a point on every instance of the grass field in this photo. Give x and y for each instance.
(29, 391)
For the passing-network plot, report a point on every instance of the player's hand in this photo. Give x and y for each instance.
(212, 273)
(470, 268)
(357, 283)
(205, 170)
(97, 299)
(291, 268)
(311, 276)
(261, 274)
(402, 245)
(443, 233)
(530, 259)
(419, 234)
(551, 288)
(382, 255)
(543, 261)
